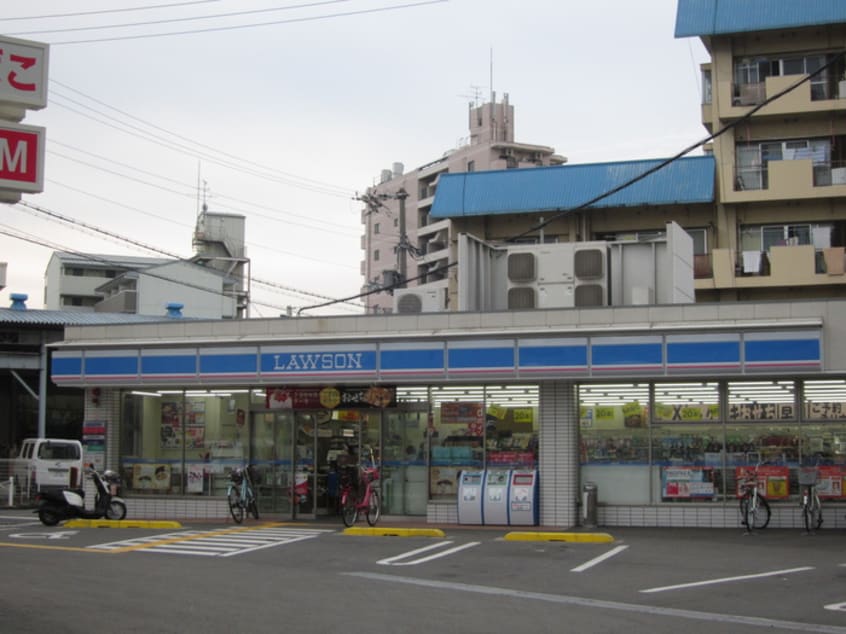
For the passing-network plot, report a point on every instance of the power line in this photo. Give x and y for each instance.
(234, 164)
(153, 249)
(340, 190)
(231, 14)
(343, 229)
(104, 11)
(253, 25)
(684, 152)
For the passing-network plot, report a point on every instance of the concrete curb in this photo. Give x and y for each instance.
(123, 524)
(536, 536)
(395, 532)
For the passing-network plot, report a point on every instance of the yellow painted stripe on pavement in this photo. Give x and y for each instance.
(395, 532)
(122, 524)
(78, 549)
(553, 536)
(191, 537)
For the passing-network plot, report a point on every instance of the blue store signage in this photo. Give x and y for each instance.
(505, 358)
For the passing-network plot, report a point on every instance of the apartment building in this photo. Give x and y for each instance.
(213, 284)
(775, 86)
(401, 241)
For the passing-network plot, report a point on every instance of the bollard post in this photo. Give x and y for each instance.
(589, 494)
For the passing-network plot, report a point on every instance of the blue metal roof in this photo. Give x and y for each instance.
(720, 17)
(61, 318)
(683, 181)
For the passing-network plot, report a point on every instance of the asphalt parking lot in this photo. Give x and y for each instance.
(475, 578)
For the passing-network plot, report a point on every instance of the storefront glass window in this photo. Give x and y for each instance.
(687, 442)
(456, 437)
(614, 426)
(511, 429)
(405, 484)
(475, 427)
(761, 401)
(183, 442)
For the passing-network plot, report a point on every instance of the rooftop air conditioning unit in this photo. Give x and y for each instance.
(522, 267)
(409, 301)
(540, 276)
(591, 270)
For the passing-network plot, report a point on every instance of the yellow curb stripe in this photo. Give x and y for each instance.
(534, 536)
(122, 524)
(395, 532)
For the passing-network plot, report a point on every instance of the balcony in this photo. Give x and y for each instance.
(784, 180)
(781, 266)
(734, 100)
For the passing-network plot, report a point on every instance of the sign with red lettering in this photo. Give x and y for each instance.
(21, 158)
(23, 73)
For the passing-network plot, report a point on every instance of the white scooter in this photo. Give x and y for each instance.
(65, 504)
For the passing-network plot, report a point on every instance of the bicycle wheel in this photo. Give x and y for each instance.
(754, 515)
(374, 508)
(349, 512)
(812, 511)
(235, 505)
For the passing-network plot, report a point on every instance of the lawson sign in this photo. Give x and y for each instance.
(530, 358)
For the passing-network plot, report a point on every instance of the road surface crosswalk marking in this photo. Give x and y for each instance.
(214, 543)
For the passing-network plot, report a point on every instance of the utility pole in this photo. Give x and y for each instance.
(403, 248)
(373, 202)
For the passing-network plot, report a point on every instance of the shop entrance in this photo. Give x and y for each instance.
(296, 454)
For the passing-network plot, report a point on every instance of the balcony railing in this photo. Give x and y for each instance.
(824, 175)
(751, 94)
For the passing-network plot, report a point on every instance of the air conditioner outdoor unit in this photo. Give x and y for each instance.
(522, 267)
(541, 296)
(590, 265)
(409, 301)
(540, 276)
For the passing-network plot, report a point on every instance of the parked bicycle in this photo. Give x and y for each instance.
(241, 494)
(359, 492)
(754, 508)
(811, 507)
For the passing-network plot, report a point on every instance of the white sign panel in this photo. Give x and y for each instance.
(23, 73)
(21, 157)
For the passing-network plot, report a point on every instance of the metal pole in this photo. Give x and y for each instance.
(403, 248)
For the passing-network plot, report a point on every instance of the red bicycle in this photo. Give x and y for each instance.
(359, 492)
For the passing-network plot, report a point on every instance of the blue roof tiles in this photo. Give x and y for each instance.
(683, 181)
(721, 17)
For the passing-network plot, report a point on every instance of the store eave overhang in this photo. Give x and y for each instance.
(462, 333)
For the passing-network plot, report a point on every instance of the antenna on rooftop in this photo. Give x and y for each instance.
(475, 95)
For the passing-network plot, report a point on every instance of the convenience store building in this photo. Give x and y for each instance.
(658, 406)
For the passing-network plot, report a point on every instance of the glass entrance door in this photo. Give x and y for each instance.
(272, 454)
(404, 472)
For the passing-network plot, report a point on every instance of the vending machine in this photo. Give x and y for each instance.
(470, 498)
(495, 506)
(523, 498)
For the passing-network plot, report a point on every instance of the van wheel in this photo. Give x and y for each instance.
(49, 515)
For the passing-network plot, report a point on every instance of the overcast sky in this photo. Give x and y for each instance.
(287, 120)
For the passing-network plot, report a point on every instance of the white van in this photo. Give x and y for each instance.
(49, 463)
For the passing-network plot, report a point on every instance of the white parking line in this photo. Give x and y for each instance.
(604, 605)
(395, 560)
(709, 582)
(600, 559)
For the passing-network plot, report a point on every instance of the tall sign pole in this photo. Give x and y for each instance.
(23, 86)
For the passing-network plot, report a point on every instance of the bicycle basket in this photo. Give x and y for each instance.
(808, 475)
